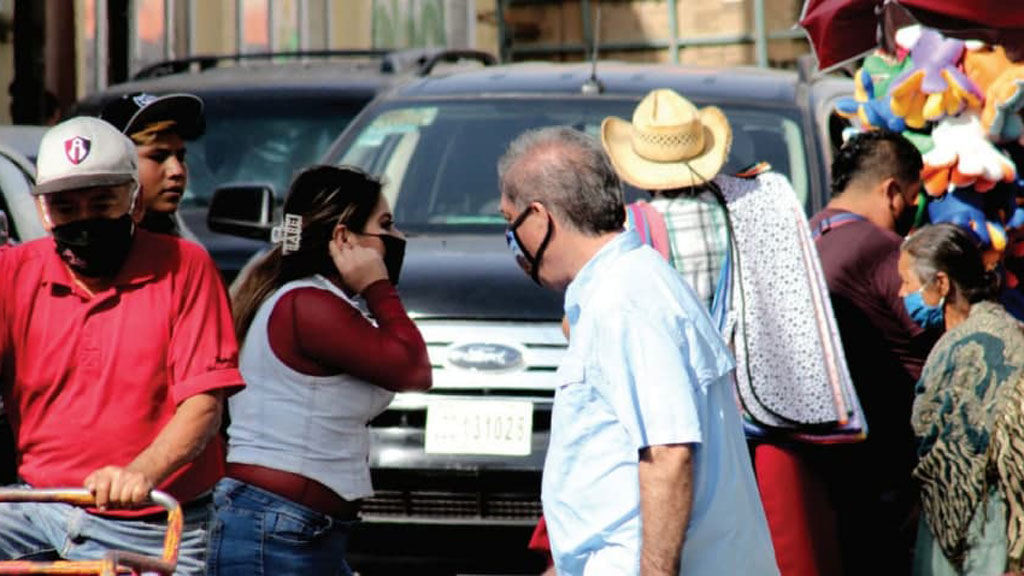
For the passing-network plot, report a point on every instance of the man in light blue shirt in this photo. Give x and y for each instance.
(647, 470)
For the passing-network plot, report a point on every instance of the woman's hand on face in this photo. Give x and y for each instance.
(358, 266)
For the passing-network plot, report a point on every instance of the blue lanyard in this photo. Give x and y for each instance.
(833, 222)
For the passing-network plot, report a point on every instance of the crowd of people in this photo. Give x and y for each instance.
(119, 348)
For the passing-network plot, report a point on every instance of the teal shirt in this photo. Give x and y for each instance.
(646, 366)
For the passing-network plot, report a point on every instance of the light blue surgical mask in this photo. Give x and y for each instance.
(921, 313)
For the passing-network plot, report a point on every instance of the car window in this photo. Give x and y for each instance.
(265, 141)
(17, 202)
(439, 159)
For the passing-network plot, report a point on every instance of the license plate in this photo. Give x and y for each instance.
(500, 428)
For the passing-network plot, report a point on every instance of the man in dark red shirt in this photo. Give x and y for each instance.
(875, 187)
(116, 352)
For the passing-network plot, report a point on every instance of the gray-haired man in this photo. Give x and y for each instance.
(647, 470)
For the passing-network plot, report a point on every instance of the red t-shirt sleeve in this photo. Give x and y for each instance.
(203, 352)
(314, 324)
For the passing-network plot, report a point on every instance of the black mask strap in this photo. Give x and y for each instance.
(535, 260)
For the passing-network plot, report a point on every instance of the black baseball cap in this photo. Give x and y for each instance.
(133, 112)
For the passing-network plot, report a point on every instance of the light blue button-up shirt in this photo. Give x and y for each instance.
(645, 366)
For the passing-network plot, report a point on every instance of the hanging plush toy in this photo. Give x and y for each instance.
(962, 156)
(1003, 103)
(935, 87)
(965, 208)
(870, 103)
(1002, 83)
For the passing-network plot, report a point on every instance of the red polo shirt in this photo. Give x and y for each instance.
(89, 381)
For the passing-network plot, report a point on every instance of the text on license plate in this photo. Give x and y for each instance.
(502, 428)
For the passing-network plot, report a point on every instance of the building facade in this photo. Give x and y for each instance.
(70, 48)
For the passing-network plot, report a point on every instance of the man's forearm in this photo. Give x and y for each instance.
(666, 498)
(184, 437)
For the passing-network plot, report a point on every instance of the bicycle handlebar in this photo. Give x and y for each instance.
(115, 559)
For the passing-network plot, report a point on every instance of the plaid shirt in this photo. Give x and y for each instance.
(698, 239)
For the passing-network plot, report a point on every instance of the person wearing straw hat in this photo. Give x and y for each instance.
(734, 238)
(647, 470)
(116, 352)
(672, 149)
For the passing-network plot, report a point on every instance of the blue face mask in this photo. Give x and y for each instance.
(924, 315)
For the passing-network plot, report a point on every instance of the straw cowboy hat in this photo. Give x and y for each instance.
(670, 144)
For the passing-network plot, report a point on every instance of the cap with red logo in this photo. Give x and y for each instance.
(84, 152)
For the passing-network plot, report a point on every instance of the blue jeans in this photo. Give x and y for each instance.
(46, 532)
(256, 532)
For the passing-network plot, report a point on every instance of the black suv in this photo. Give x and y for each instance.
(267, 115)
(457, 470)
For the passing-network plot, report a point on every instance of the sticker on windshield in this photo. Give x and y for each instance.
(401, 121)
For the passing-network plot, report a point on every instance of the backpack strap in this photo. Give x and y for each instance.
(637, 217)
(650, 225)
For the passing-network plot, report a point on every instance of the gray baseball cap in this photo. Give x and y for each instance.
(84, 152)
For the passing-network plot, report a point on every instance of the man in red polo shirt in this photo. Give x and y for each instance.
(116, 352)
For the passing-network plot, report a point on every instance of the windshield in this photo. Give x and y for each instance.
(439, 159)
(262, 141)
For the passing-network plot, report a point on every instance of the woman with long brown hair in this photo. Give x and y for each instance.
(317, 371)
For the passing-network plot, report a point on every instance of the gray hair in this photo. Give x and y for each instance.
(568, 172)
(954, 251)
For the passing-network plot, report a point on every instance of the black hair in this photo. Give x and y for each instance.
(878, 154)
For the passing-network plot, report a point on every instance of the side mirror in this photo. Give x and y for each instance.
(245, 210)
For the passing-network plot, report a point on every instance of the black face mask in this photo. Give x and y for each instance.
(96, 248)
(530, 263)
(394, 255)
(911, 217)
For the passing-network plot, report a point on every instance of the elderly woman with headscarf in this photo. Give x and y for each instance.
(968, 410)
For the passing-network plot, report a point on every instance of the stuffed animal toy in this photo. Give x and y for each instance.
(906, 38)
(1003, 103)
(1002, 83)
(984, 63)
(870, 103)
(922, 141)
(935, 87)
(962, 156)
(964, 208)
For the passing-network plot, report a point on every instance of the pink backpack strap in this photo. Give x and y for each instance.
(650, 224)
(637, 217)
(658, 231)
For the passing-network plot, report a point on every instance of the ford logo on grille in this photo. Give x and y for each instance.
(485, 357)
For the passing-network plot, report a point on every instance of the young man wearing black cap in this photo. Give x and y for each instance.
(159, 126)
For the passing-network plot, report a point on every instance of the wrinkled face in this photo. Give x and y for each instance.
(163, 172)
(931, 292)
(69, 206)
(528, 235)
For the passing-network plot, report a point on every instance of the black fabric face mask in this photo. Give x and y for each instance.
(527, 262)
(96, 248)
(394, 255)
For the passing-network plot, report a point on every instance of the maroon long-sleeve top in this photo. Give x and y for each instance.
(315, 332)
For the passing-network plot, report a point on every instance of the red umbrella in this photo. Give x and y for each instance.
(842, 30)
(993, 21)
